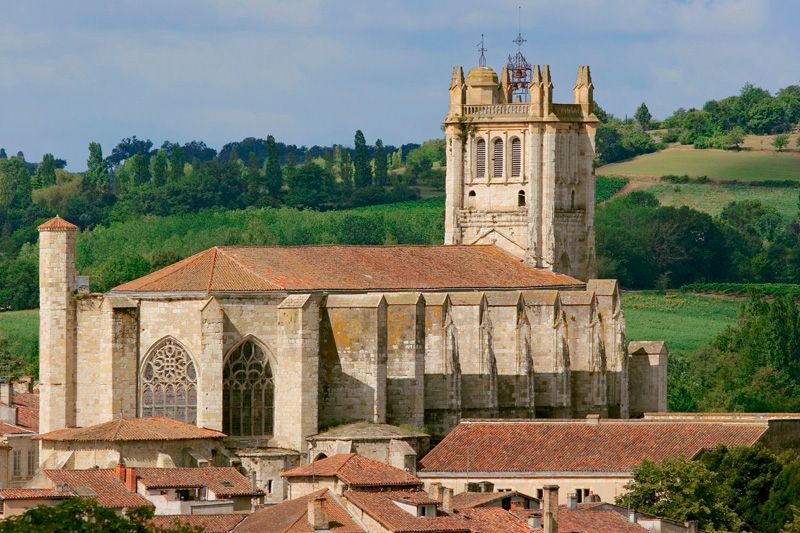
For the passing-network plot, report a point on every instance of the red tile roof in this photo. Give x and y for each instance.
(465, 500)
(495, 520)
(57, 224)
(292, 516)
(593, 520)
(225, 481)
(511, 446)
(27, 404)
(11, 429)
(303, 268)
(356, 471)
(133, 429)
(33, 494)
(382, 508)
(211, 523)
(100, 484)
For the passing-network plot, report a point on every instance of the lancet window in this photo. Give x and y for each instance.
(168, 383)
(248, 392)
(497, 168)
(516, 157)
(480, 158)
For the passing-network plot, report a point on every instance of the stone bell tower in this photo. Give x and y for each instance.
(57, 318)
(520, 173)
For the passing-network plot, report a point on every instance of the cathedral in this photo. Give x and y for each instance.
(275, 345)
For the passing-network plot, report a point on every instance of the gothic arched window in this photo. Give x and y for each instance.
(516, 157)
(480, 158)
(497, 168)
(168, 383)
(247, 392)
(521, 199)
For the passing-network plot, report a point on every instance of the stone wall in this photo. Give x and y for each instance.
(405, 361)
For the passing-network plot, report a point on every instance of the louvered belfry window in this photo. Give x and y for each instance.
(480, 158)
(516, 157)
(248, 392)
(497, 169)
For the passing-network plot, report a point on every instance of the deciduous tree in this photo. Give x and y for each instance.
(363, 172)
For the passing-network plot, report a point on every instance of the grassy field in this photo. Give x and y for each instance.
(711, 198)
(685, 321)
(21, 331)
(715, 164)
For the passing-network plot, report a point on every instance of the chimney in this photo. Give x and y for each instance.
(535, 521)
(447, 500)
(253, 483)
(550, 509)
(130, 479)
(439, 492)
(316, 514)
(572, 501)
(632, 516)
(119, 471)
(433, 490)
(593, 419)
(7, 393)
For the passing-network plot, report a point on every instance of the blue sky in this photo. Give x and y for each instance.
(313, 71)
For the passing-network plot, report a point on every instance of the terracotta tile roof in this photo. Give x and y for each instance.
(303, 268)
(414, 497)
(57, 224)
(381, 507)
(356, 471)
(593, 521)
(292, 516)
(495, 520)
(133, 429)
(211, 523)
(225, 481)
(27, 404)
(366, 430)
(33, 494)
(511, 446)
(465, 500)
(100, 484)
(11, 429)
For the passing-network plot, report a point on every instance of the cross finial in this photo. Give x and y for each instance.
(482, 50)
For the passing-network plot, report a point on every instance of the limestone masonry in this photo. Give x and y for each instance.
(272, 346)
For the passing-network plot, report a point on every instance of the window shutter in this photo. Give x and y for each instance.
(498, 158)
(516, 157)
(481, 158)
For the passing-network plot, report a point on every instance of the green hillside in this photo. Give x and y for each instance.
(714, 164)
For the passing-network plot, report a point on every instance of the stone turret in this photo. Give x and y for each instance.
(536, 92)
(457, 91)
(505, 86)
(57, 341)
(583, 91)
(547, 91)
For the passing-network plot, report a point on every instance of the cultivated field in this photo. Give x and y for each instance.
(715, 164)
(711, 198)
(20, 329)
(685, 321)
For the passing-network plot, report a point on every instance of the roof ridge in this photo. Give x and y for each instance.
(215, 251)
(168, 270)
(233, 258)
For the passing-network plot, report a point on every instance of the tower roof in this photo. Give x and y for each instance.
(57, 224)
(482, 76)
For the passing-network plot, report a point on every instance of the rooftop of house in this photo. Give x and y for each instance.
(356, 471)
(366, 431)
(34, 494)
(495, 520)
(225, 481)
(101, 484)
(348, 268)
(211, 523)
(157, 428)
(292, 516)
(57, 224)
(590, 519)
(27, 415)
(605, 446)
(381, 507)
(466, 500)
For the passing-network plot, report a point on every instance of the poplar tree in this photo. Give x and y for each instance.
(45, 172)
(381, 174)
(97, 168)
(643, 116)
(3, 154)
(176, 162)
(272, 170)
(346, 171)
(158, 168)
(363, 172)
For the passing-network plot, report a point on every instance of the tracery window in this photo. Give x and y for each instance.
(248, 392)
(516, 157)
(169, 383)
(497, 169)
(480, 158)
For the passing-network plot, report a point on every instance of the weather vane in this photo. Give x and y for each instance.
(482, 50)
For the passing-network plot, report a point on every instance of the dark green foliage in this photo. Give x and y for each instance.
(84, 516)
(272, 171)
(159, 166)
(616, 141)
(738, 489)
(3, 154)
(127, 148)
(306, 186)
(96, 177)
(608, 186)
(381, 175)
(176, 162)
(363, 172)
(643, 116)
(759, 289)
(45, 172)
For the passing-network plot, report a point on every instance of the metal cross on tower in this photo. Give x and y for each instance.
(482, 50)
(519, 68)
